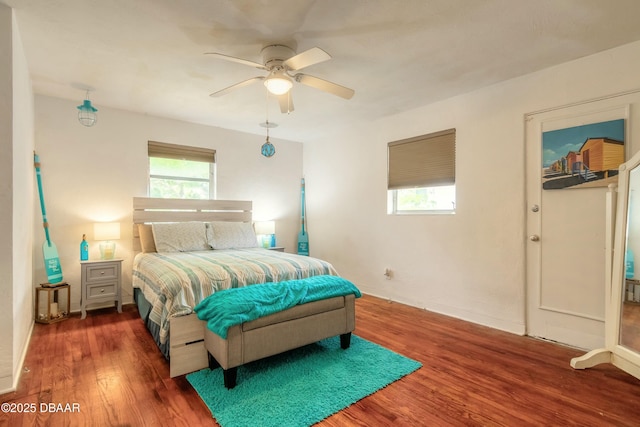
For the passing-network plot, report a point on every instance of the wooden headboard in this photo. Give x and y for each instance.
(147, 210)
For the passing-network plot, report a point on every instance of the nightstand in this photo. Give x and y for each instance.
(101, 281)
(276, 248)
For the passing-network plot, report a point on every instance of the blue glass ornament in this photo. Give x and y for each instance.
(268, 149)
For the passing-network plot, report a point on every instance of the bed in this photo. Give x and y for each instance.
(175, 269)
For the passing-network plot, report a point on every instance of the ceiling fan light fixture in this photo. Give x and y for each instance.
(278, 83)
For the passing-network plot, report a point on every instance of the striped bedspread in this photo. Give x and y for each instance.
(174, 283)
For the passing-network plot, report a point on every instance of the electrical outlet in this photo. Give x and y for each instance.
(388, 273)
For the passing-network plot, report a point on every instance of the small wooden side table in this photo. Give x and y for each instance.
(55, 308)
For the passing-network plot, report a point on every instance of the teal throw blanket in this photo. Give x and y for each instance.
(234, 306)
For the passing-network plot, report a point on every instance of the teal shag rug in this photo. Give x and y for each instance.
(303, 386)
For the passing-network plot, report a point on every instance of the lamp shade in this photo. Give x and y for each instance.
(106, 231)
(265, 227)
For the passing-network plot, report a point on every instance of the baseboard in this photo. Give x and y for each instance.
(20, 365)
(517, 328)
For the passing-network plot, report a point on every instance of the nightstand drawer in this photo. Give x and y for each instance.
(100, 273)
(102, 290)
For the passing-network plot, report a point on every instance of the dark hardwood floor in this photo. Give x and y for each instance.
(109, 367)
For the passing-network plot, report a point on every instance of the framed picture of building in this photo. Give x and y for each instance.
(583, 156)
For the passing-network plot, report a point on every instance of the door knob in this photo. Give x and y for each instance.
(534, 238)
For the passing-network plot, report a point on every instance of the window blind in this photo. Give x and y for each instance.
(181, 152)
(423, 161)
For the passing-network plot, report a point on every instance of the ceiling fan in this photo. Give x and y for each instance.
(282, 62)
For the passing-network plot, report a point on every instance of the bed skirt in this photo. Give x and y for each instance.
(144, 308)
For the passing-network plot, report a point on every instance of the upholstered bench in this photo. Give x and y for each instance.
(285, 330)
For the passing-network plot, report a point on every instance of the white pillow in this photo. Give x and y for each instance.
(231, 235)
(180, 237)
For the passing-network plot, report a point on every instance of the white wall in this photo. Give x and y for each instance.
(23, 179)
(469, 265)
(92, 174)
(6, 204)
(16, 146)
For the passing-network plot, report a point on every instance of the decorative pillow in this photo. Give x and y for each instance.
(146, 238)
(180, 237)
(231, 235)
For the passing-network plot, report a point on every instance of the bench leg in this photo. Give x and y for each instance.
(213, 363)
(230, 376)
(345, 340)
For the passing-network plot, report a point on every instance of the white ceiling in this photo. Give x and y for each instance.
(147, 55)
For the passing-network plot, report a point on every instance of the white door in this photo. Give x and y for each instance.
(566, 235)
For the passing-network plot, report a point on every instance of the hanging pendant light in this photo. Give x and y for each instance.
(268, 149)
(87, 113)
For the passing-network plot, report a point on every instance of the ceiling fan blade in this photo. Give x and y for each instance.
(236, 86)
(286, 103)
(325, 85)
(238, 60)
(315, 55)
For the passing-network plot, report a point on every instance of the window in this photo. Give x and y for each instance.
(181, 172)
(421, 174)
